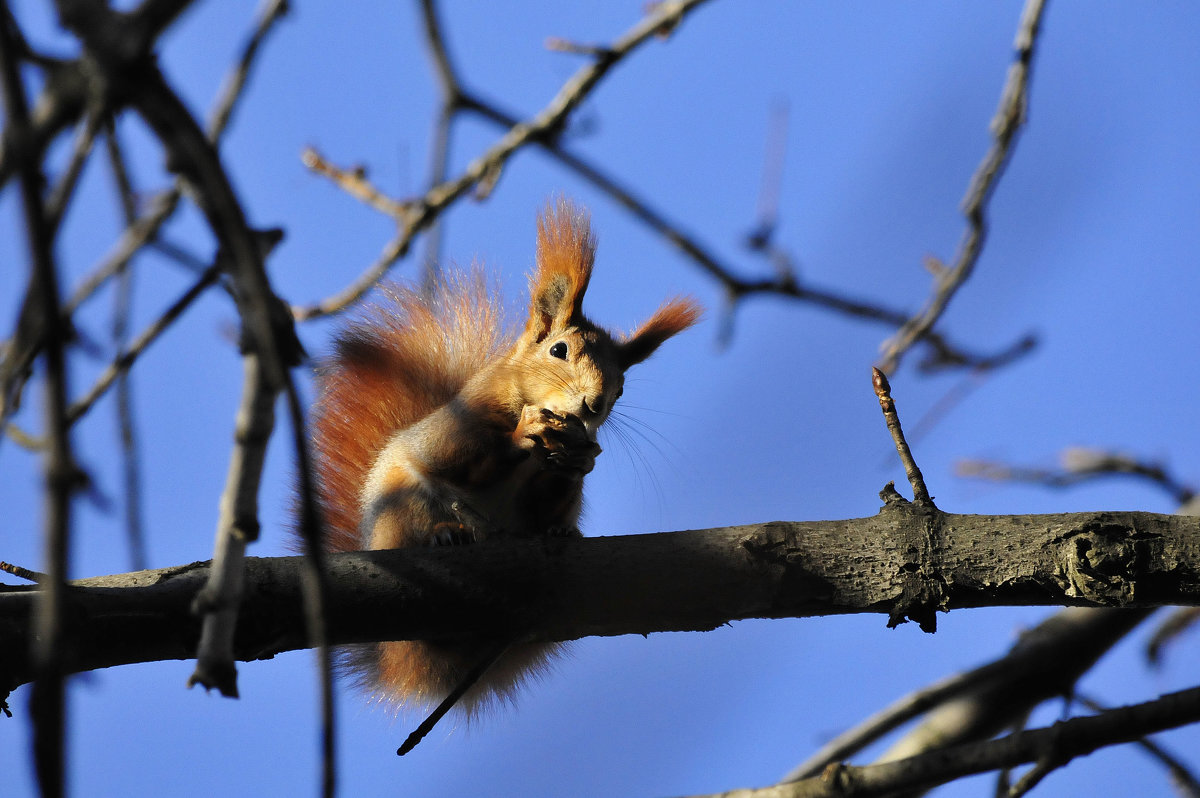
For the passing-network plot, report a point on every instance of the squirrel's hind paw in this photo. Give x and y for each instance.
(452, 533)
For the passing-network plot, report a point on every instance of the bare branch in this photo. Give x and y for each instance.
(1057, 744)
(125, 359)
(56, 206)
(1014, 102)
(452, 97)
(455, 99)
(46, 648)
(1080, 465)
(162, 206)
(1044, 663)
(269, 342)
(991, 707)
(63, 102)
(1183, 779)
(785, 284)
(418, 214)
(354, 182)
(235, 82)
(122, 307)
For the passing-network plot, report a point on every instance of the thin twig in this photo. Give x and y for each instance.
(354, 181)
(561, 45)
(1010, 116)
(316, 589)
(315, 594)
(775, 151)
(393, 251)
(125, 359)
(128, 431)
(1004, 776)
(159, 209)
(450, 89)
(786, 283)
(884, 392)
(893, 716)
(56, 206)
(122, 304)
(1080, 465)
(30, 443)
(235, 82)
(23, 573)
(1175, 624)
(1033, 777)
(439, 712)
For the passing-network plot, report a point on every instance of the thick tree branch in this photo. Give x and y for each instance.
(1048, 747)
(1045, 662)
(678, 581)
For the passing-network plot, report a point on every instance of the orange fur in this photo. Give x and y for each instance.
(434, 418)
(407, 356)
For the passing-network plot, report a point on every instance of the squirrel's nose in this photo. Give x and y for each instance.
(592, 406)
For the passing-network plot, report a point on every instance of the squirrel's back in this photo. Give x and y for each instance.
(408, 354)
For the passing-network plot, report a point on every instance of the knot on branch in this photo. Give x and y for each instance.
(918, 531)
(1100, 563)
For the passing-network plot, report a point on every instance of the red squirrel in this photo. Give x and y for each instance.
(436, 424)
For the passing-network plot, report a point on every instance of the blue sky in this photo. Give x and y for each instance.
(1093, 247)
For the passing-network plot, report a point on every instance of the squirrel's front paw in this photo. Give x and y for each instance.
(560, 441)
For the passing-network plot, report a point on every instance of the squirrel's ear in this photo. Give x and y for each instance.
(674, 316)
(566, 250)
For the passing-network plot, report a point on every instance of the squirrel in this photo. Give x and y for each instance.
(435, 424)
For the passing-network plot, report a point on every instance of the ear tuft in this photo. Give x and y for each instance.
(675, 316)
(566, 251)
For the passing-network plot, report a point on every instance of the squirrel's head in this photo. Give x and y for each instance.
(570, 365)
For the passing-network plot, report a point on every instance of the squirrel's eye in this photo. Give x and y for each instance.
(559, 350)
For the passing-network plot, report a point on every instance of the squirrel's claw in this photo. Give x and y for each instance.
(450, 533)
(559, 440)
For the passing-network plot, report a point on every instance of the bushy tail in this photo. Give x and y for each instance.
(409, 353)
